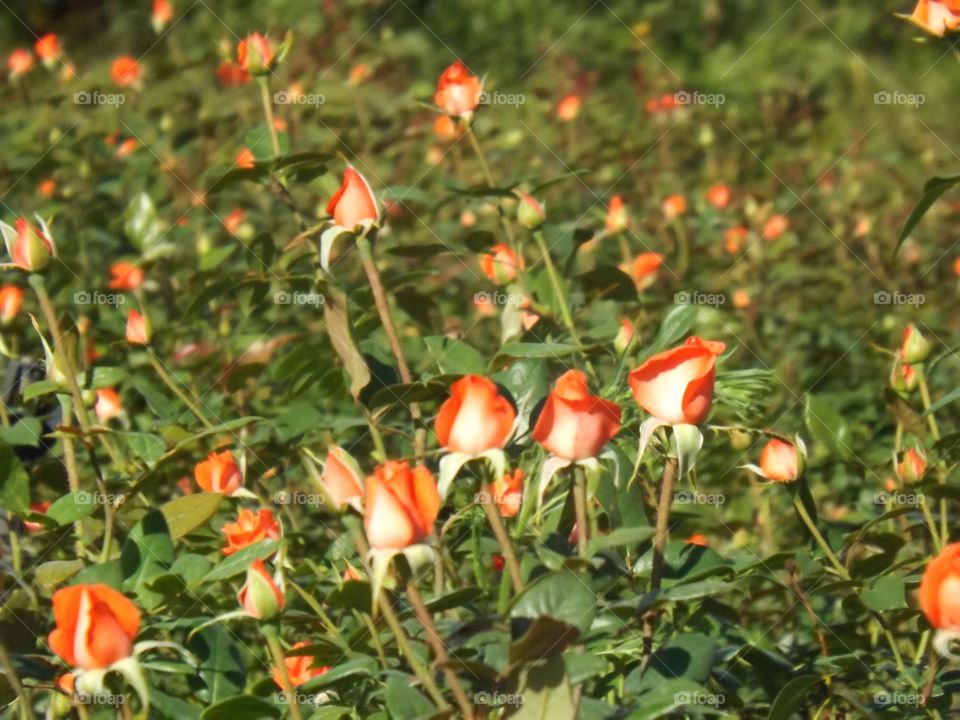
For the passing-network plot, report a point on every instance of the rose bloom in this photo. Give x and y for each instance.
(507, 493)
(125, 276)
(47, 48)
(575, 425)
(245, 159)
(500, 264)
(96, 626)
(339, 479)
(138, 333)
(108, 404)
(20, 63)
(250, 528)
(569, 107)
(733, 239)
(400, 506)
(775, 226)
(617, 216)
(299, 668)
(354, 203)
(937, 17)
(458, 92)
(475, 418)
(11, 300)
(674, 206)
(719, 196)
(778, 460)
(218, 473)
(644, 268)
(940, 589)
(445, 128)
(676, 386)
(232, 75)
(125, 71)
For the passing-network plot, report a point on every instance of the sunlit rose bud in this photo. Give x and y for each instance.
(936, 17)
(617, 216)
(458, 91)
(569, 107)
(300, 668)
(30, 247)
(96, 626)
(697, 539)
(733, 239)
(125, 276)
(475, 418)
(245, 159)
(915, 348)
(255, 54)
(775, 226)
(260, 595)
(47, 188)
(507, 493)
(341, 478)
(741, 299)
(400, 505)
(719, 196)
(127, 147)
(47, 48)
(624, 336)
(249, 528)
(354, 204)
(41, 509)
(161, 16)
(218, 473)
(108, 404)
(138, 329)
(780, 461)
(862, 228)
(500, 264)
(912, 465)
(234, 223)
(644, 268)
(20, 63)
(11, 300)
(126, 71)
(468, 218)
(573, 424)
(445, 127)
(903, 377)
(674, 206)
(232, 75)
(530, 213)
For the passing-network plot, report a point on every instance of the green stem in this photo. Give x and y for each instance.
(935, 433)
(177, 390)
(267, 101)
(669, 477)
(821, 541)
(276, 652)
(506, 547)
(580, 507)
(23, 696)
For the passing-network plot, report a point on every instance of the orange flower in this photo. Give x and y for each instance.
(162, 15)
(775, 226)
(11, 300)
(741, 299)
(255, 54)
(940, 589)
(674, 206)
(245, 159)
(354, 203)
(569, 107)
(96, 626)
(475, 418)
(733, 239)
(575, 425)
(138, 330)
(937, 17)
(127, 147)
(108, 404)
(719, 196)
(250, 528)
(30, 247)
(125, 71)
(41, 509)
(458, 92)
(617, 216)
(912, 466)
(125, 276)
(698, 539)
(507, 493)
(340, 478)
(358, 73)
(445, 128)
(232, 75)
(20, 63)
(956, 267)
(401, 505)
(47, 48)
(260, 596)
(625, 335)
(218, 473)
(644, 268)
(233, 221)
(779, 461)
(299, 668)
(676, 386)
(500, 264)
(47, 188)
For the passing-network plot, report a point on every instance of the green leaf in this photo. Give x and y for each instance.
(24, 432)
(72, 507)
(563, 596)
(619, 537)
(341, 337)
(241, 707)
(39, 389)
(792, 697)
(404, 701)
(827, 427)
(14, 482)
(675, 326)
(260, 144)
(455, 357)
(241, 560)
(145, 446)
(221, 664)
(140, 223)
(932, 190)
(546, 693)
(53, 574)
(147, 553)
(535, 350)
(887, 593)
(186, 513)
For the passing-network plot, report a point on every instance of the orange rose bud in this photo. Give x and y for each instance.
(617, 216)
(125, 276)
(233, 222)
(138, 329)
(475, 418)
(698, 539)
(400, 506)
(47, 48)
(354, 203)
(575, 425)
(936, 17)
(458, 92)
(676, 386)
(341, 478)
(507, 493)
(775, 226)
(47, 188)
(218, 473)
(674, 206)
(940, 589)
(245, 159)
(108, 404)
(912, 466)
(125, 71)
(255, 54)
(445, 128)
(530, 213)
(644, 268)
(96, 626)
(624, 336)
(780, 461)
(915, 348)
(161, 16)
(741, 299)
(500, 264)
(11, 300)
(232, 75)
(20, 62)
(903, 377)
(250, 528)
(733, 239)
(41, 509)
(260, 595)
(719, 196)
(569, 107)
(299, 668)
(30, 248)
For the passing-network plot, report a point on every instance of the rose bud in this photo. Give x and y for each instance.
(575, 425)
(351, 575)
(674, 206)
(126, 71)
(161, 16)
(940, 589)
(780, 461)
(644, 268)
(47, 48)
(719, 196)
(260, 596)
(676, 386)
(125, 276)
(774, 227)
(936, 17)
(733, 239)
(912, 466)
(255, 54)
(250, 528)
(138, 329)
(354, 204)
(218, 473)
(499, 563)
(400, 506)
(30, 248)
(500, 264)
(697, 539)
(475, 418)
(507, 493)
(445, 128)
(341, 478)
(232, 75)
(624, 336)
(245, 159)
(96, 626)
(11, 300)
(915, 348)
(458, 92)
(617, 216)
(108, 405)
(530, 213)
(569, 107)
(20, 63)
(40, 508)
(903, 377)
(299, 668)
(47, 188)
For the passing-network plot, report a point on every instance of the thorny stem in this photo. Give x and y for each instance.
(506, 547)
(669, 477)
(821, 541)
